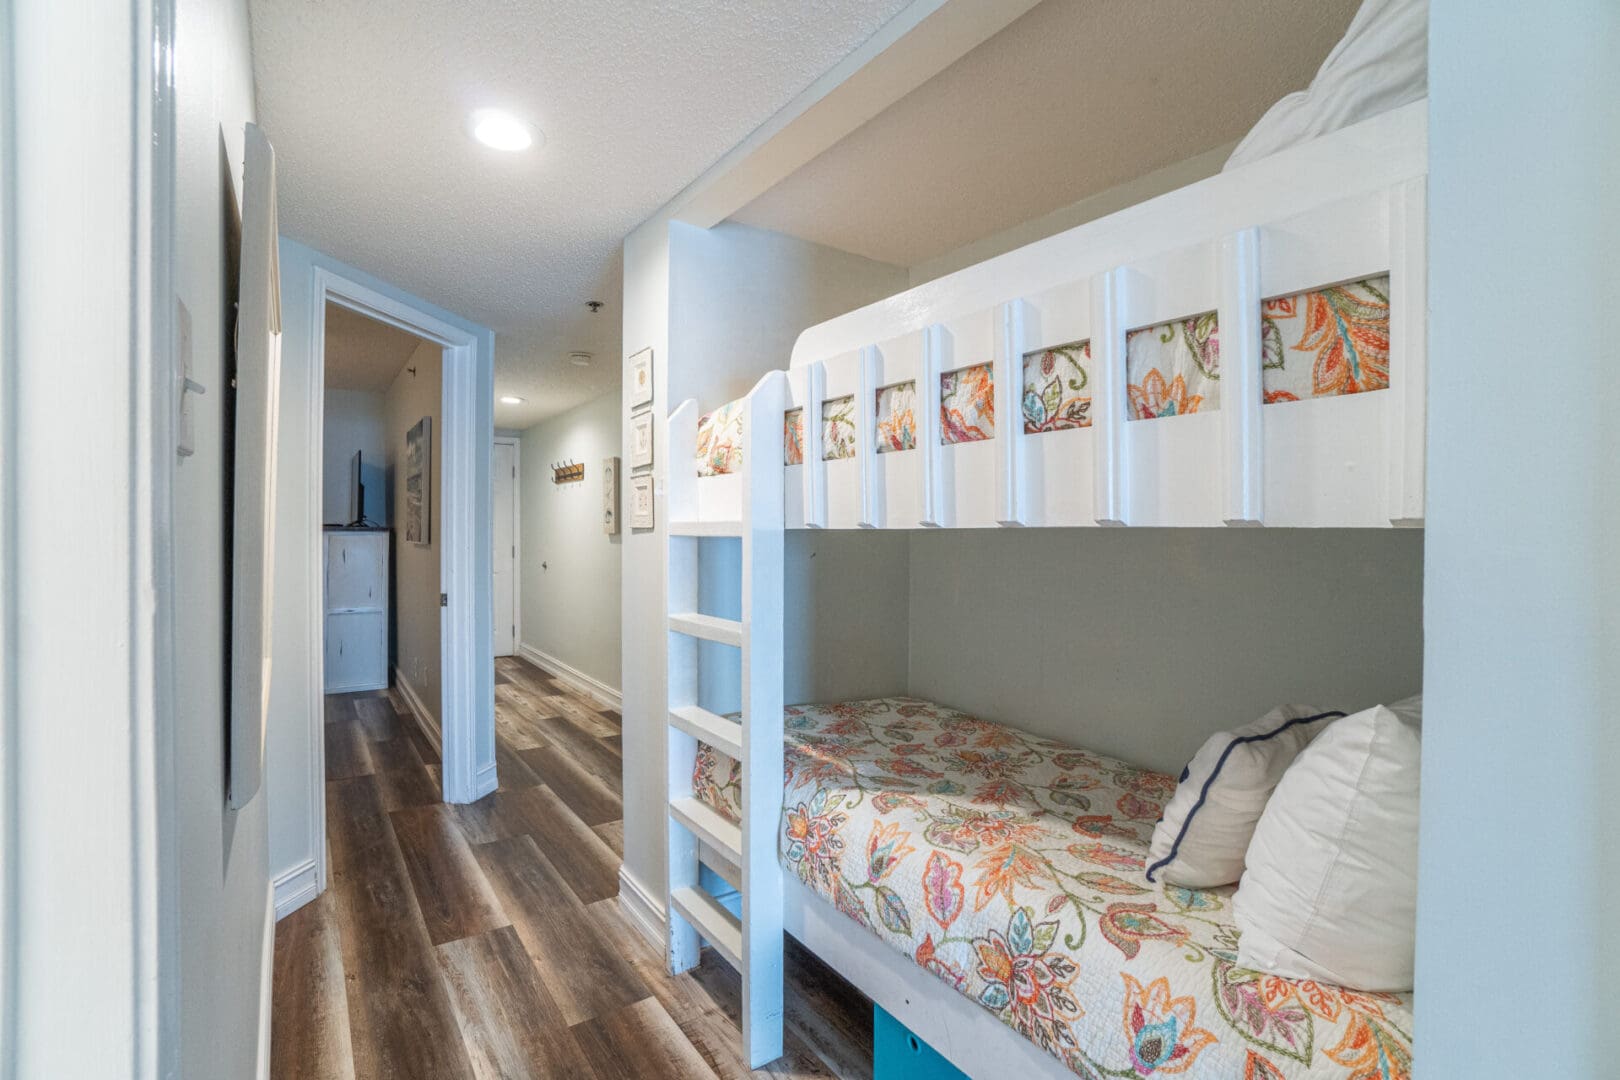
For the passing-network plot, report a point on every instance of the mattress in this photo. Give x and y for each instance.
(1011, 867)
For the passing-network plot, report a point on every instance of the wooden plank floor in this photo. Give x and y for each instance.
(485, 941)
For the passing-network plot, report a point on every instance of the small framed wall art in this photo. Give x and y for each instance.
(610, 496)
(418, 481)
(641, 439)
(641, 501)
(641, 378)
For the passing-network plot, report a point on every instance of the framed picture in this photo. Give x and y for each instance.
(641, 439)
(610, 496)
(641, 379)
(418, 477)
(641, 501)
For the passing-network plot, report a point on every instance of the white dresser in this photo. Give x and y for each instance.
(356, 610)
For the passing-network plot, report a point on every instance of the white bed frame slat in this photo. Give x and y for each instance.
(1241, 391)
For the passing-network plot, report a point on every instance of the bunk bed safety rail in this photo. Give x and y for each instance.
(1181, 405)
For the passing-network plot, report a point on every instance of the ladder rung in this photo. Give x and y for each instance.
(705, 528)
(710, 729)
(707, 824)
(729, 871)
(707, 627)
(713, 923)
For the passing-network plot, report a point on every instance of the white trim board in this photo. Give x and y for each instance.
(575, 678)
(641, 908)
(293, 888)
(515, 441)
(419, 710)
(267, 967)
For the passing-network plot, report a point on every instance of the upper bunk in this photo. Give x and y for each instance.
(1247, 350)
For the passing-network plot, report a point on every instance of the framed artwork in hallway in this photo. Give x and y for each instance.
(641, 501)
(641, 440)
(418, 475)
(641, 379)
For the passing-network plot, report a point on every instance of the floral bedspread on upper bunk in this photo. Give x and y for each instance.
(1010, 866)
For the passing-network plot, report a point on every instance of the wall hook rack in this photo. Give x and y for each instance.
(568, 472)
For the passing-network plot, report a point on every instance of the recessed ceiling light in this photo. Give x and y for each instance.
(580, 359)
(509, 399)
(501, 130)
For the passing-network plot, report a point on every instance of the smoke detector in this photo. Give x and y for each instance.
(580, 359)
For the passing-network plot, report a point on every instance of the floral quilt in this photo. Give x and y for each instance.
(1325, 342)
(719, 440)
(1011, 866)
(1174, 368)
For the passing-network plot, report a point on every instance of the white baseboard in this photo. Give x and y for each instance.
(267, 971)
(642, 909)
(293, 888)
(424, 718)
(575, 678)
(485, 782)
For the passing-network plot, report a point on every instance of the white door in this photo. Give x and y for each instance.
(504, 468)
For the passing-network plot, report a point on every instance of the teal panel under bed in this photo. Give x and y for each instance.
(897, 1054)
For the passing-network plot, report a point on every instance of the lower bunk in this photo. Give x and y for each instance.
(1011, 872)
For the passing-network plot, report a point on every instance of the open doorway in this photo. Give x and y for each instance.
(380, 545)
(435, 512)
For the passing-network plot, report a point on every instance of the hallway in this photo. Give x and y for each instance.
(485, 941)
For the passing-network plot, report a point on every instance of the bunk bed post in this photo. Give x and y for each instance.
(815, 467)
(1406, 418)
(1012, 321)
(681, 667)
(866, 438)
(1241, 394)
(1109, 297)
(762, 704)
(928, 436)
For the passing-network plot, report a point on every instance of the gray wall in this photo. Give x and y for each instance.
(1520, 866)
(571, 607)
(353, 420)
(1140, 643)
(415, 614)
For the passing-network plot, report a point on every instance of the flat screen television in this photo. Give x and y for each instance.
(357, 492)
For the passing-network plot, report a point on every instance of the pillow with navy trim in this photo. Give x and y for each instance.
(1201, 839)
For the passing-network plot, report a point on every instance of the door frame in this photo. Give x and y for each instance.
(516, 443)
(464, 444)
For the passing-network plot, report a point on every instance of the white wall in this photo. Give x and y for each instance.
(134, 910)
(1521, 748)
(571, 604)
(295, 791)
(1140, 643)
(353, 421)
(719, 307)
(414, 612)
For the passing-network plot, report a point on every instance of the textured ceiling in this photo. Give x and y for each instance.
(1072, 99)
(362, 353)
(367, 105)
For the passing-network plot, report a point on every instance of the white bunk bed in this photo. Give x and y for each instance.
(1347, 207)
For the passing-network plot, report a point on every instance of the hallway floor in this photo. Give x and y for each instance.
(485, 941)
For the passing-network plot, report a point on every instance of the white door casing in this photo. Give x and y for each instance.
(503, 477)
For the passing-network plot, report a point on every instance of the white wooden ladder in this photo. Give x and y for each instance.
(748, 506)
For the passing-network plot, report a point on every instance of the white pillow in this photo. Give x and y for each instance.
(1200, 840)
(1330, 889)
